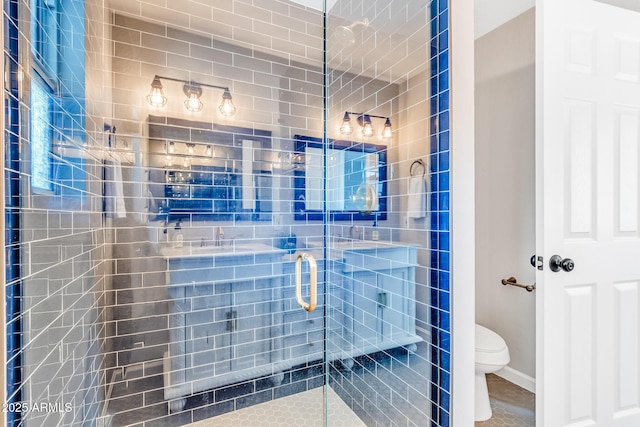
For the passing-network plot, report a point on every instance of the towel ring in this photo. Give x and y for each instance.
(420, 163)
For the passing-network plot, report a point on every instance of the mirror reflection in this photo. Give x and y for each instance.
(356, 175)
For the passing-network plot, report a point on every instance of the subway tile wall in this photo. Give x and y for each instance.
(60, 241)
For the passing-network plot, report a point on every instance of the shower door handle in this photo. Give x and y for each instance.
(313, 282)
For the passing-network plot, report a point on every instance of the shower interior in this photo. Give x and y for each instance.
(270, 55)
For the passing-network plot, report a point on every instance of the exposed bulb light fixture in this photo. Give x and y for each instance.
(190, 148)
(386, 132)
(193, 91)
(209, 151)
(171, 148)
(367, 129)
(364, 120)
(226, 107)
(346, 127)
(156, 97)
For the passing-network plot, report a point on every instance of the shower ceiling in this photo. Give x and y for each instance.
(392, 40)
(264, 27)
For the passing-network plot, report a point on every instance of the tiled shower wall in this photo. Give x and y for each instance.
(60, 241)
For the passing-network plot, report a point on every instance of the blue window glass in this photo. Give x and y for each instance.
(44, 35)
(41, 134)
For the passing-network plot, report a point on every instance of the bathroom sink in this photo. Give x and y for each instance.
(233, 249)
(357, 245)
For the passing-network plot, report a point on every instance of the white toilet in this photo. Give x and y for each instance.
(492, 354)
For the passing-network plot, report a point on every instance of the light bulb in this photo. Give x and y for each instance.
(367, 129)
(190, 148)
(172, 147)
(226, 106)
(386, 132)
(346, 127)
(156, 97)
(193, 103)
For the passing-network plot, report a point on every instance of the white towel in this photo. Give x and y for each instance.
(416, 207)
(114, 191)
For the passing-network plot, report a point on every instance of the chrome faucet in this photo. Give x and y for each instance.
(219, 236)
(354, 230)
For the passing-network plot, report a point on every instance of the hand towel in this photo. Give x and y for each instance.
(114, 190)
(416, 206)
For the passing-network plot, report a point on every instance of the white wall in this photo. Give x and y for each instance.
(505, 180)
(462, 212)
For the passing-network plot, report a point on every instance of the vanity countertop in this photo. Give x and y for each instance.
(194, 250)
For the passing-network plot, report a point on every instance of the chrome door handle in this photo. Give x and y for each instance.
(313, 282)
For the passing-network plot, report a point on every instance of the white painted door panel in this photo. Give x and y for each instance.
(587, 194)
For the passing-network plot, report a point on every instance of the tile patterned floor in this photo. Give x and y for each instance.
(512, 406)
(302, 409)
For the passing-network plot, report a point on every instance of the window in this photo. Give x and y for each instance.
(44, 35)
(41, 134)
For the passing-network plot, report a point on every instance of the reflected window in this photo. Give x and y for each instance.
(41, 134)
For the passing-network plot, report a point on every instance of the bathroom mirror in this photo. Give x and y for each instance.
(356, 181)
(208, 171)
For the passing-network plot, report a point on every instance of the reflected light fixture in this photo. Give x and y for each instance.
(226, 106)
(364, 120)
(193, 91)
(386, 132)
(190, 148)
(172, 147)
(209, 151)
(156, 97)
(346, 127)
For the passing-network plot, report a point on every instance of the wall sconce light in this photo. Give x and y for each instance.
(190, 148)
(156, 97)
(193, 91)
(209, 151)
(171, 148)
(364, 120)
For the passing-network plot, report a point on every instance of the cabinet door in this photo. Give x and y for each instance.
(394, 307)
(208, 338)
(250, 322)
(365, 291)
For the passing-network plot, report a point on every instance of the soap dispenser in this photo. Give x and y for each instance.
(178, 240)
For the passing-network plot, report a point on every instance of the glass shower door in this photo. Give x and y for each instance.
(387, 282)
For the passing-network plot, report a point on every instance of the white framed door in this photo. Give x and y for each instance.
(588, 197)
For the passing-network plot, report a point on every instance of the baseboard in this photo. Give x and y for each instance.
(518, 378)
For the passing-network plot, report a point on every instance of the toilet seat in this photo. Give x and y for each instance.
(491, 349)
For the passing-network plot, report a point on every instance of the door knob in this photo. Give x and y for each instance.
(557, 263)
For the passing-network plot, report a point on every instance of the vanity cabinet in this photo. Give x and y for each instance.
(380, 296)
(225, 319)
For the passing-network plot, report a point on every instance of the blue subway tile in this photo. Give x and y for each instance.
(443, 84)
(443, 41)
(443, 21)
(443, 5)
(443, 121)
(443, 161)
(443, 181)
(443, 99)
(433, 86)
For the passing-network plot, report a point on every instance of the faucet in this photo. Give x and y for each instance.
(354, 230)
(219, 236)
